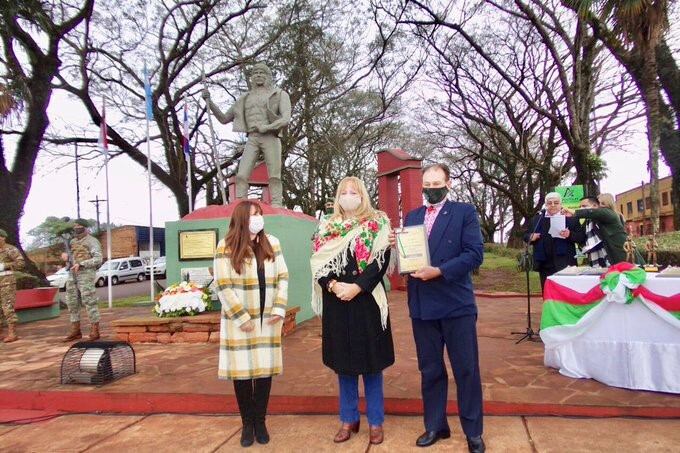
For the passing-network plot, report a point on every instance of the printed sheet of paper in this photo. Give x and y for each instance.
(412, 250)
(557, 224)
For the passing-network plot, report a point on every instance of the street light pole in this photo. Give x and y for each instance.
(96, 202)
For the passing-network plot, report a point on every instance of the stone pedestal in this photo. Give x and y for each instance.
(293, 229)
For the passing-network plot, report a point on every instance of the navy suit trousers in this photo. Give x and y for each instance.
(460, 337)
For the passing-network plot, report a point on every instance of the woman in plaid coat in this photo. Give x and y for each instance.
(252, 282)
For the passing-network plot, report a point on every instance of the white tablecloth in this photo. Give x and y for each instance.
(631, 346)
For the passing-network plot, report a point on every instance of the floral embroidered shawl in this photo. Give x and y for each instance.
(366, 241)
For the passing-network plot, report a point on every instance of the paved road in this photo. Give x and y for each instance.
(122, 290)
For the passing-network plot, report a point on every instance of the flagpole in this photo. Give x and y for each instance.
(108, 232)
(147, 89)
(191, 162)
(188, 159)
(214, 146)
(104, 138)
(151, 251)
(191, 188)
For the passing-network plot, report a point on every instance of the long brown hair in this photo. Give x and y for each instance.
(238, 238)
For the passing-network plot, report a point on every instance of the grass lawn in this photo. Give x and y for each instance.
(132, 301)
(500, 273)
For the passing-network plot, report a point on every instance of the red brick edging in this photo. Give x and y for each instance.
(204, 328)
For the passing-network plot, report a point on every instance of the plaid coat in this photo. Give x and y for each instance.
(255, 354)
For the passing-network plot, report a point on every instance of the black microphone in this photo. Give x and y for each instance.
(536, 225)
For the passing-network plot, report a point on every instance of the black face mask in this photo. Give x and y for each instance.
(434, 195)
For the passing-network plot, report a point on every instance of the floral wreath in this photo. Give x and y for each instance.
(200, 304)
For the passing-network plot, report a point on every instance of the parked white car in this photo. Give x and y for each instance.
(122, 269)
(58, 279)
(158, 268)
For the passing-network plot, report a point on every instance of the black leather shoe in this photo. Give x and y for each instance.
(261, 434)
(476, 444)
(430, 437)
(247, 435)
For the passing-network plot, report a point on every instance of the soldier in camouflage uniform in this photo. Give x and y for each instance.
(87, 257)
(10, 260)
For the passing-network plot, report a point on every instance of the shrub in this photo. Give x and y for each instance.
(667, 241)
(26, 281)
(501, 250)
(667, 257)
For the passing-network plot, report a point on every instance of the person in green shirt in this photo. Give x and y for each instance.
(610, 229)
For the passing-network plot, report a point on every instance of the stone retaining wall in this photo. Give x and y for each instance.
(204, 328)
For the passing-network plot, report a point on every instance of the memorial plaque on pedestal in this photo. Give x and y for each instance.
(197, 244)
(199, 275)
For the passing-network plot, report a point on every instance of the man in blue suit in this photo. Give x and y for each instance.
(443, 312)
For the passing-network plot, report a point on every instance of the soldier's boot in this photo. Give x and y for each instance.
(11, 334)
(94, 331)
(75, 332)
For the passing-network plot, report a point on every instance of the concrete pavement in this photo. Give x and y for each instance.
(297, 433)
(514, 379)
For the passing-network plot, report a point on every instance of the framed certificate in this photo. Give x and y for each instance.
(197, 244)
(412, 250)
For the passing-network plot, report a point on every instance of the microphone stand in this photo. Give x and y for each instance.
(529, 333)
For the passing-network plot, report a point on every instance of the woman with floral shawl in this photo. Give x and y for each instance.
(351, 256)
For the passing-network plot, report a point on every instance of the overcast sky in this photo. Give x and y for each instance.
(53, 191)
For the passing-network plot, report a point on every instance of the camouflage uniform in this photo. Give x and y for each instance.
(13, 261)
(87, 252)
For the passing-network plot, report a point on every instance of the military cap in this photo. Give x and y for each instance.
(3, 233)
(82, 222)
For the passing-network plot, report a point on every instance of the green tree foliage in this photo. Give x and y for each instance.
(32, 33)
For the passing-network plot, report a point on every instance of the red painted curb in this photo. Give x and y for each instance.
(188, 403)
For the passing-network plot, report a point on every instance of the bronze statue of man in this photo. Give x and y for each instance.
(263, 112)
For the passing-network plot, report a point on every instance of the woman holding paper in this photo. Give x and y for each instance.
(554, 238)
(351, 256)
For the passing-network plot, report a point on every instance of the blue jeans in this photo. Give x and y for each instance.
(349, 398)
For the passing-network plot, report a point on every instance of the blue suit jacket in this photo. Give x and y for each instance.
(456, 247)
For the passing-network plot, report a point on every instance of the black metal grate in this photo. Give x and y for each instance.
(97, 362)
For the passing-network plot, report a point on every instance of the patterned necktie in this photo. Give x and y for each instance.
(430, 217)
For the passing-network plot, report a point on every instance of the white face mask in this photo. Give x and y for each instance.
(256, 224)
(350, 202)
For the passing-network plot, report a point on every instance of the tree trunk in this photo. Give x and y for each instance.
(669, 77)
(584, 171)
(649, 87)
(670, 147)
(519, 226)
(15, 185)
(488, 231)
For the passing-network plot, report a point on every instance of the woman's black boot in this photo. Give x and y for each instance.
(261, 397)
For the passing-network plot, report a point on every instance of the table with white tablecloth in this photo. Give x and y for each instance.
(632, 344)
